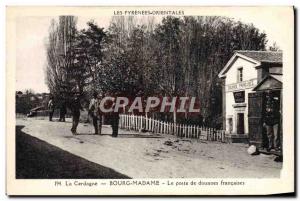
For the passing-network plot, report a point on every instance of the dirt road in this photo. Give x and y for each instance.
(143, 155)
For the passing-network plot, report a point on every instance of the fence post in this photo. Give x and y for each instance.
(174, 128)
(168, 127)
(186, 131)
(159, 127)
(152, 124)
(133, 122)
(193, 131)
(141, 123)
(125, 121)
(130, 122)
(137, 123)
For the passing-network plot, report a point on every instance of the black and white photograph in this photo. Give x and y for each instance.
(151, 93)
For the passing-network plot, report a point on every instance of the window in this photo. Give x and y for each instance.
(240, 75)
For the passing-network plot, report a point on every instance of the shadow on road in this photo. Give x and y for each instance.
(37, 159)
(138, 136)
(120, 135)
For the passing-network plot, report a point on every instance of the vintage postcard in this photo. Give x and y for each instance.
(150, 100)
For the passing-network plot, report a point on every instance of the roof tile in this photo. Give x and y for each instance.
(263, 56)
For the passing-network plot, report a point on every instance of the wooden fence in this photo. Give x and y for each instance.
(142, 123)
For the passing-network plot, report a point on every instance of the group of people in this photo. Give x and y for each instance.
(62, 109)
(93, 111)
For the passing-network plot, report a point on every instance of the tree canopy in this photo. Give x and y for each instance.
(179, 56)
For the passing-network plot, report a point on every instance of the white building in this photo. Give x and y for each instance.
(241, 75)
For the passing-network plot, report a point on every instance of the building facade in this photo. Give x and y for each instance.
(242, 73)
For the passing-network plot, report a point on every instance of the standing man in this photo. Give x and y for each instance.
(95, 114)
(271, 122)
(62, 110)
(114, 121)
(75, 108)
(51, 108)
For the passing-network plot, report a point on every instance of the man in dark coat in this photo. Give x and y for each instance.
(62, 110)
(75, 108)
(112, 116)
(115, 123)
(95, 114)
(271, 122)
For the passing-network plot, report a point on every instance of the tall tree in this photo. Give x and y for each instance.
(60, 57)
(89, 55)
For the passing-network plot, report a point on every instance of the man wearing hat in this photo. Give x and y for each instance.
(95, 114)
(271, 122)
(75, 108)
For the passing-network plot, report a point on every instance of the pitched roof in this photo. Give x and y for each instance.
(276, 77)
(263, 56)
(256, 57)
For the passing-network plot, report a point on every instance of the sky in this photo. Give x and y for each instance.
(32, 33)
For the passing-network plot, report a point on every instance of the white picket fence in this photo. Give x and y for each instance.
(142, 123)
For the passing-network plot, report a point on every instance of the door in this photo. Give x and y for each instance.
(255, 118)
(230, 124)
(240, 123)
